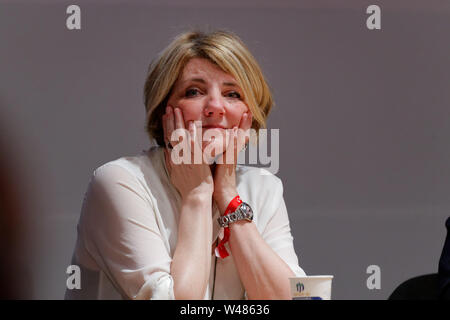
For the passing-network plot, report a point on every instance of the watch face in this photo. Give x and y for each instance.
(246, 210)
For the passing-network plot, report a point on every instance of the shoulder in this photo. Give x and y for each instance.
(110, 173)
(113, 187)
(114, 175)
(126, 167)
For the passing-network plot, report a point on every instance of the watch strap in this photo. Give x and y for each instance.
(220, 250)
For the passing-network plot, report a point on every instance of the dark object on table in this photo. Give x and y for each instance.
(423, 287)
(444, 266)
(431, 286)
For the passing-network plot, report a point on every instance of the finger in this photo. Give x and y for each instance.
(179, 121)
(249, 119)
(243, 120)
(170, 124)
(246, 120)
(243, 128)
(204, 157)
(243, 134)
(179, 126)
(248, 126)
(245, 124)
(236, 145)
(241, 137)
(193, 134)
(197, 136)
(192, 141)
(229, 154)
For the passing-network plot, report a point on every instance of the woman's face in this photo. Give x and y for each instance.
(205, 93)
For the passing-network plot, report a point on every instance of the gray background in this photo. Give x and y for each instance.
(363, 117)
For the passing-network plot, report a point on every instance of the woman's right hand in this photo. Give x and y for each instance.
(191, 179)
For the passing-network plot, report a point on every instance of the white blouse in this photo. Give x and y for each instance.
(127, 231)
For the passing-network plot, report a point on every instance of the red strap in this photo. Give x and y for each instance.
(221, 251)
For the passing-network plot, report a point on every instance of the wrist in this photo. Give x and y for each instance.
(224, 199)
(197, 198)
(235, 212)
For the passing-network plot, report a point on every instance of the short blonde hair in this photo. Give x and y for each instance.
(222, 48)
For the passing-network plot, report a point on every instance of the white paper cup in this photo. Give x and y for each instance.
(311, 288)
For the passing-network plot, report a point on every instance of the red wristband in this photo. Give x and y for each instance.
(221, 251)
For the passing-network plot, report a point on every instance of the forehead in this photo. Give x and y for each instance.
(205, 69)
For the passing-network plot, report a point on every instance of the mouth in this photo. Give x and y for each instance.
(213, 127)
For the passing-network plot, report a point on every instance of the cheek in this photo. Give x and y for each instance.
(191, 111)
(236, 114)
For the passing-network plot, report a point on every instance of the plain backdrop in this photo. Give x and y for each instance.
(364, 119)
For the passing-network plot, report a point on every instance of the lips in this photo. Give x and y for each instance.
(213, 127)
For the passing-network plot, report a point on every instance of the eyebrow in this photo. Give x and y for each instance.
(228, 84)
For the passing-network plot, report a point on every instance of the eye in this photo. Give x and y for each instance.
(191, 92)
(234, 94)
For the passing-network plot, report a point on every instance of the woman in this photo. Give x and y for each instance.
(149, 227)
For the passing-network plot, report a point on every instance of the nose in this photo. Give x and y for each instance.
(214, 106)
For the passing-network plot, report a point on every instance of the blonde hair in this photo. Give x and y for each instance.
(222, 48)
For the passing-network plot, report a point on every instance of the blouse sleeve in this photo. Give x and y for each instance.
(277, 233)
(119, 230)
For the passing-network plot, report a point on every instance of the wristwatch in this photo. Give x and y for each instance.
(244, 211)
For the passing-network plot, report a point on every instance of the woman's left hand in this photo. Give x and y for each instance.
(225, 172)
